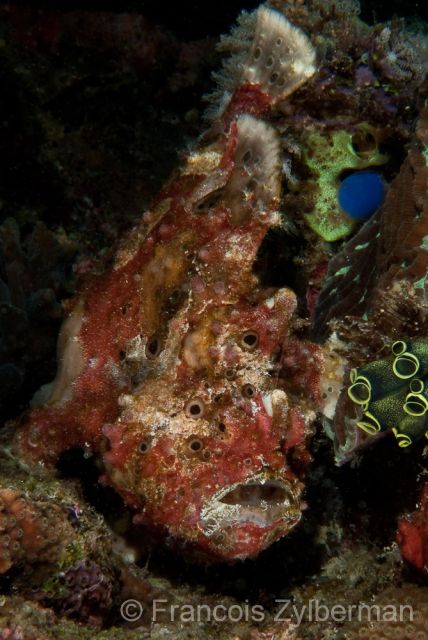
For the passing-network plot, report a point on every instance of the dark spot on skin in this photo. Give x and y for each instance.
(144, 446)
(172, 302)
(248, 391)
(153, 347)
(195, 444)
(194, 408)
(247, 156)
(175, 296)
(249, 340)
(208, 202)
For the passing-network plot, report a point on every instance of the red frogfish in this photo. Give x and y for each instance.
(176, 367)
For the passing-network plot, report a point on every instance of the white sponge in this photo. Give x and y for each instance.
(255, 181)
(265, 49)
(281, 57)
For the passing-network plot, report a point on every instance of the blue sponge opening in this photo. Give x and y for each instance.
(361, 194)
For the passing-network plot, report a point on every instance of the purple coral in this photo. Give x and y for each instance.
(89, 593)
(364, 76)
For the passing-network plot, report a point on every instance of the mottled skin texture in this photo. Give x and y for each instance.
(179, 371)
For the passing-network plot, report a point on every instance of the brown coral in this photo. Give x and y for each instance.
(411, 605)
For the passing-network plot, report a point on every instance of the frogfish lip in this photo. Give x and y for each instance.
(261, 501)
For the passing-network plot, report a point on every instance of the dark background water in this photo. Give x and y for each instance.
(190, 19)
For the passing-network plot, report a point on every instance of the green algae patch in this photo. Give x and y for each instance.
(327, 156)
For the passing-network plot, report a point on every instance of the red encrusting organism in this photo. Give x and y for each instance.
(412, 534)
